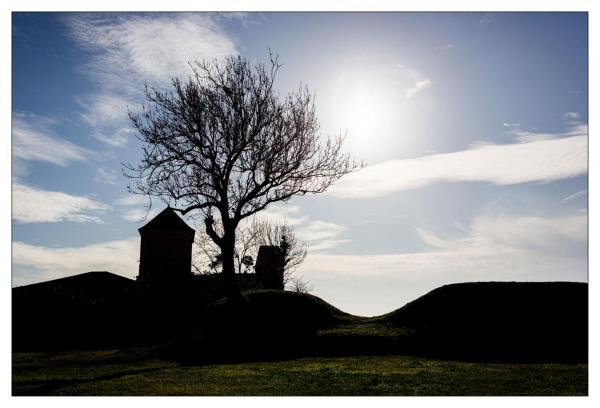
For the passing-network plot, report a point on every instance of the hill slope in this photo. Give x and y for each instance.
(87, 286)
(510, 321)
(503, 320)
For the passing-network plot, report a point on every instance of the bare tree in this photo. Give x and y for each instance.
(249, 238)
(208, 258)
(282, 235)
(299, 285)
(225, 141)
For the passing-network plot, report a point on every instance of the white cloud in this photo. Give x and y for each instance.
(494, 248)
(433, 241)
(525, 136)
(140, 213)
(418, 87)
(131, 51)
(103, 110)
(150, 48)
(545, 236)
(133, 199)
(572, 115)
(318, 230)
(282, 213)
(487, 18)
(575, 195)
(33, 140)
(31, 205)
(545, 158)
(119, 138)
(325, 244)
(37, 263)
(321, 235)
(106, 176)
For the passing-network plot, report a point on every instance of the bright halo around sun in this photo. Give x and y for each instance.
(368, 107)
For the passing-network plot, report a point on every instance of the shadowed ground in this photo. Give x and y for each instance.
(489, 338)
(133, 373)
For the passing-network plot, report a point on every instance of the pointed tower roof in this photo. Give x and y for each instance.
(166, 220)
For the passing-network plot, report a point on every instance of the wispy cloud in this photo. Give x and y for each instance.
(418, 87)
(132, 199)
(565, 235)
(151, 48)
(572, 115)
(572, 118)
(526, 136)
(31, 205)
(106, 110)
(38, 263)
(34, 140)
(119, 138)
(578, 194)
(547, 157)
(282, 213)
(104, 175)
(494, 248)
(139, 214)
(139, 208)
(129, 51)
(486, 19)
(321, 235)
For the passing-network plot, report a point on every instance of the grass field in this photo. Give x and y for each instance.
(135, 372)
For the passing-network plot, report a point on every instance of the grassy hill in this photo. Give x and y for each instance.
(462, 339)
(88, 287)
(491, 321)
(500, 320)
(92, 310)
(487, 321)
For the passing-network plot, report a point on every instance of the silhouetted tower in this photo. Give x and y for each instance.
(269, 267)
(166, 250)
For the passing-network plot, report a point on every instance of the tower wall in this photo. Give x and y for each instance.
(269, 267)
(165, 256)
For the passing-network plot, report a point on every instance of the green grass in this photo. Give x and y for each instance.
(365, 326)
(136, 372)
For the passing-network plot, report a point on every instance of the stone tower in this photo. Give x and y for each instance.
(269, 267)
(166, 250)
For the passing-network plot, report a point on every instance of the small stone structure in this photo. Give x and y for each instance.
(166, 258)
(166, 250)
(269, 267)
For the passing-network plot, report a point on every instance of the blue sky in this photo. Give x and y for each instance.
(473, 125)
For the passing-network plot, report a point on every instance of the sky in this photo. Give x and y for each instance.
(473, 127)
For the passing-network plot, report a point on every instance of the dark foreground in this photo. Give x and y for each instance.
(502, 322)
(133, 372)
(484, 338)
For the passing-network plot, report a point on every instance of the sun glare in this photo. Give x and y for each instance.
(369, 107)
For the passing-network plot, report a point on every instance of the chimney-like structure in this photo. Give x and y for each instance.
(166, 250)
(269, 267)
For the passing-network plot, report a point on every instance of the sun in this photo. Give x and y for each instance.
(365, 107)
(361, 110)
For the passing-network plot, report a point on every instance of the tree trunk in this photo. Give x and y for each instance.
(228, 252)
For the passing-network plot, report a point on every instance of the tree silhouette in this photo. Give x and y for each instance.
(249, 238)
(225, 142)
(207, 257)
(281, 234)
